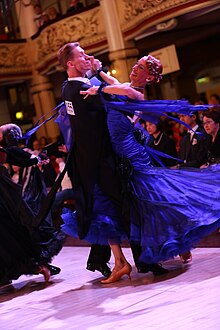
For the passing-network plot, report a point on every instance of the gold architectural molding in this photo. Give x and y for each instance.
(137, 16)
(14, 61)
(87, 28)
(134, 8)
(14, 56)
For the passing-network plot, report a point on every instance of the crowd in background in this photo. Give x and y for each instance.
(52, 14)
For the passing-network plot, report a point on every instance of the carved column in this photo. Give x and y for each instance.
(122, 54)
(25, 16)
(44, 102)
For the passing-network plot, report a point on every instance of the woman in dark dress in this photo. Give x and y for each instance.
(211, 123)
(160, 141)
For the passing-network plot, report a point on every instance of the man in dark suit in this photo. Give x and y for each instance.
(93, 158)
(193, 146)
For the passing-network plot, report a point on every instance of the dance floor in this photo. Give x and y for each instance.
(188, 298)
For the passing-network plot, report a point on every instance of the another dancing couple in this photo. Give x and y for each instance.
(26, 246)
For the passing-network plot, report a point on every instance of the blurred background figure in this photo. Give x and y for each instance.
(75, 5)
(36, 147)
(53, 13)
(214, 99)
(38, 19)
(15, 173)
(211, 122)
(193, 146)
(43, 141)
(161, 142)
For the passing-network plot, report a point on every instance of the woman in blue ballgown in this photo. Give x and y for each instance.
(171, 210)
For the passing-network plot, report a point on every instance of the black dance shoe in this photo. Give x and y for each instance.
(154, 268)
(102, 268)
(54, 270)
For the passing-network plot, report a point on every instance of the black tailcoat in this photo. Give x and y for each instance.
(92, 157)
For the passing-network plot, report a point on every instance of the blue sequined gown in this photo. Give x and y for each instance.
(171, 210)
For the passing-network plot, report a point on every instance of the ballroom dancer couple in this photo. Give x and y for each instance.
(26, 247)
(93, 160)
(170, 210)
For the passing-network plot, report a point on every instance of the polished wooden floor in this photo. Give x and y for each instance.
(188, 298)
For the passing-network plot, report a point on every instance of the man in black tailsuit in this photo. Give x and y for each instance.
(92, 159)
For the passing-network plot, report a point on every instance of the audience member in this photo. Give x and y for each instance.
(193, 146)
(38, 19)
(75, 5)
(211, 122)
(53, 13)
(161, 142)
(15, 173)
(36, 147)
(214, 99)
(43, 141)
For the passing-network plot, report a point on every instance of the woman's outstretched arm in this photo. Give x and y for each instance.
(117, 89)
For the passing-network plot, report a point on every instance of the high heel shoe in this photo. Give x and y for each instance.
(186, 257)
(45, 272)
(117, 275)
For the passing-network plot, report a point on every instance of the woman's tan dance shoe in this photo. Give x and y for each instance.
(117, 275)
(186, 257)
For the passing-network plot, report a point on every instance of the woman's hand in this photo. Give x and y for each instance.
(96, 64)
(63, 148)
(91, 91)
(42, 161)
(134, 120)
(205, 165)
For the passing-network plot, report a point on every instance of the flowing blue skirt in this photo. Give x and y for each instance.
(171, 210)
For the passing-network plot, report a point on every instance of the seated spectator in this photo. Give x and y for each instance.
(75, 5)
(193, 146)
(214, 99)
(45, 18)
(43, 142)
(15, 173)
(38, 19)
(161, 142)
(211, 123)
(53, 13)
(36, 147)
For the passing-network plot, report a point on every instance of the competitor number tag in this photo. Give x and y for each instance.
(69, 108)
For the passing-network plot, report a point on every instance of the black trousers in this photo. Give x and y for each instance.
(101, 254)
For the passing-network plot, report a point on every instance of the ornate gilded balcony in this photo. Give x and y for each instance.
(19, 59)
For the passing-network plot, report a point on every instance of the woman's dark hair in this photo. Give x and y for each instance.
(213, 113)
